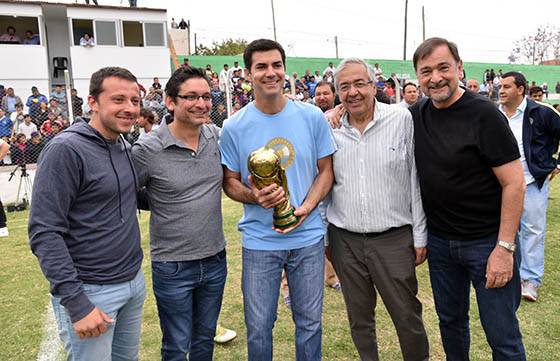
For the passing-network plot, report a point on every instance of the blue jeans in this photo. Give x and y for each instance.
(123, 303)
(454, 265)
(532, 231)
(262, 273)
(189, 299)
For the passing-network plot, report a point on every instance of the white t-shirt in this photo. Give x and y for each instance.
(327, 69)
(377, 72)
(27, 129)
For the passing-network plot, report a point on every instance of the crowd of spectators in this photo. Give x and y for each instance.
(28, 126)
(10, 37)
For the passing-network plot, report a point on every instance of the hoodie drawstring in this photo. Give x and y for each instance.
(118, 180)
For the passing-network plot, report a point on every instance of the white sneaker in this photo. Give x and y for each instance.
(529, 291)
(4, 232)
(224, 335)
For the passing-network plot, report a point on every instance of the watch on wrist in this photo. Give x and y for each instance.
(510, 246)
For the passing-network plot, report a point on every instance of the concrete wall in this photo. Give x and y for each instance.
(23, 66)
(181, 41)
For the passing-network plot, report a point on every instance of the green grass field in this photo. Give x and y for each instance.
(24, 299)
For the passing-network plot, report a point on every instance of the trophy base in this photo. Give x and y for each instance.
(285, 220)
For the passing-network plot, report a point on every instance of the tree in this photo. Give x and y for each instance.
(226, 47)
(543, 44)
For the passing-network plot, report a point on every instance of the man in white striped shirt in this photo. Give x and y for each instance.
(377, 226)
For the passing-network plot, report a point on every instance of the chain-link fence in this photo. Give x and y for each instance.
(228, 96)
(39, 117)
(28, 123)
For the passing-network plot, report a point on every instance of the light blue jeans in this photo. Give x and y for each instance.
(123, 303)
(261, 277)
(532, 231)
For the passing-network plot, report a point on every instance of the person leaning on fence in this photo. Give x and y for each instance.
(83, 226)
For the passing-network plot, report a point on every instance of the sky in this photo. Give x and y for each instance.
(484, 30)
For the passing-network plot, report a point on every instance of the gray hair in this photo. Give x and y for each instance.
(343, 64)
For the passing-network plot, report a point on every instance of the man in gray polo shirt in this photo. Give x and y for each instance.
(179, 164)
(377, 227)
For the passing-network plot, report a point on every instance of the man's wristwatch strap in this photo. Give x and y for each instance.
(510, 246)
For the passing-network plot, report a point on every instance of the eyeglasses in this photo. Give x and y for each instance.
(195, 97)
(360, 84)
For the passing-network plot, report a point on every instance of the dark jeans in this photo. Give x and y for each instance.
(189, 298)
(2, 215)
(454, 265)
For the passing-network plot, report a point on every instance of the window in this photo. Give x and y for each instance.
(132, 33)
(105, 32)
(154, 34)
(80, 27)
(25, 30)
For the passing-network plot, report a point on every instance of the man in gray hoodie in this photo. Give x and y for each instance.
(83, 226)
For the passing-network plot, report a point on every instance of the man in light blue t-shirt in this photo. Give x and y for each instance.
(301, 134)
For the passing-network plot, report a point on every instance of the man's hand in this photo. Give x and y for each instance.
(268, 196)
(334, 116)
(302, 212)
(420, 253)
(499, 268)
(93, 325)
(554, 173)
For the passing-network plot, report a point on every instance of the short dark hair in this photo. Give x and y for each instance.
(11, 27)
(180, 76)
(148, 115)
(324, 82)
(262, 45)
(428, 47)
(535, 90)
(518, 79)
(97, 78)
(409, 84)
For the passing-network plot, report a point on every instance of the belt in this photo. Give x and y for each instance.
(372, 234)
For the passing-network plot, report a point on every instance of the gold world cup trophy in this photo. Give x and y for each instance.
(266, 168)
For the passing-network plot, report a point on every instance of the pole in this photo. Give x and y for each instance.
(423, 25)
(195, 46)
(273, 19)
(189, 52)
(69, 107)
(336, 45)
(405, 29)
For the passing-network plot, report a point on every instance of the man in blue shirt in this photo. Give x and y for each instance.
(34, 101)
(301, 134)
(6, 124)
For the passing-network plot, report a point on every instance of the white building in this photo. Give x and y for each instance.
(133, 38)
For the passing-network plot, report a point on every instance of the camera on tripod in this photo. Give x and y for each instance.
(22, 202)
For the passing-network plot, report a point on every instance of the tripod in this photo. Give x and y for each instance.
(25, 182)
